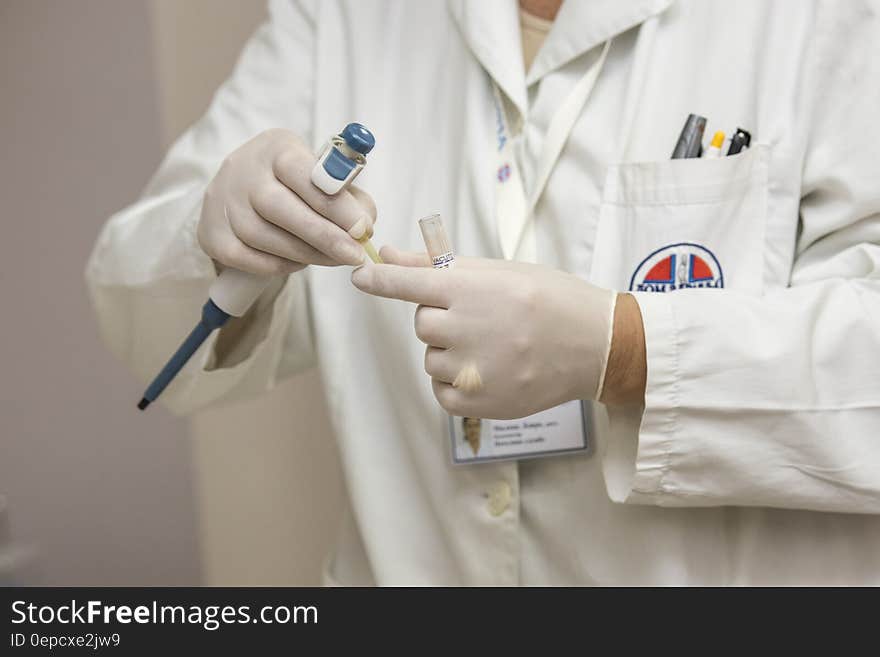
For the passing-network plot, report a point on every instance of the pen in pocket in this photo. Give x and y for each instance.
(690, 141)
(740, 141)
(714, 149)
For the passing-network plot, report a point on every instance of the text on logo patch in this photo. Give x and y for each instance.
(675, 267)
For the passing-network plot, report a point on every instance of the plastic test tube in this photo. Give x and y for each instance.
(468, 379)
(436, 242)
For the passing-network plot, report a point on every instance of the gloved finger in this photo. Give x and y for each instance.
(256, 232)
(434, 327)
(367, 201)
(219, 242)
(393, 256)
(232, 252)
(465, 262)
(414, 284)
(454, 401)
(294, 171)
(278, 205)
(441, 364)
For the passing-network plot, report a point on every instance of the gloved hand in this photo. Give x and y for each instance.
(538, 337)
(262, 214)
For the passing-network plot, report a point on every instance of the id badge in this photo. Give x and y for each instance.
(559, 430)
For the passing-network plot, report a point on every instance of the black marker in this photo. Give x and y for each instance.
(740, 140)
(690, 141)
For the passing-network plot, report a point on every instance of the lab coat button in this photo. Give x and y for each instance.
(499, 498)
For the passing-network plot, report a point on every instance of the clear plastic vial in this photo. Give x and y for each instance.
(436, 242)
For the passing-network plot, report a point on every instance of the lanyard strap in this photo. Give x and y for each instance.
(514, 211)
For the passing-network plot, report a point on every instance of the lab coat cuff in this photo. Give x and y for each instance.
(206, 381)
(204, 264)
(659, 422)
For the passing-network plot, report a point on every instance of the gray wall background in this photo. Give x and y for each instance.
(102, 494)
(91, 93)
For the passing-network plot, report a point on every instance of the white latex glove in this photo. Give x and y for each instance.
(538, 337)
(262, 214)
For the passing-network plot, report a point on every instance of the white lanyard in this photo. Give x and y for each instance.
(514, 212)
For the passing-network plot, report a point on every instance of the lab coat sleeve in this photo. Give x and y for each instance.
(147, 275)
(775, 400)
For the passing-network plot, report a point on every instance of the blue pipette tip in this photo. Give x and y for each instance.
(212, 318)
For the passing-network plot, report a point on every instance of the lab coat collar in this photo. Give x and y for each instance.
(581, 25)
(491, 30)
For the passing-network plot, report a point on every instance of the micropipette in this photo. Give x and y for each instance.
(234, 291)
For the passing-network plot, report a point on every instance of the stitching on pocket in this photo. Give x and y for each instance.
(715, 200)
(648, 183)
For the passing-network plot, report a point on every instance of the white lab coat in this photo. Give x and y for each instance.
(756, 459)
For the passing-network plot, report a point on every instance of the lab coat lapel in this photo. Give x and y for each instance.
(581, 25)
(491, 30)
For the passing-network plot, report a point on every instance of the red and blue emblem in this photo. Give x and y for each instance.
(675, 267)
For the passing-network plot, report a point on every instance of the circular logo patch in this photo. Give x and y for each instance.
(675, 267)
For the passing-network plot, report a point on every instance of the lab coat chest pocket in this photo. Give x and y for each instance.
(677, 224)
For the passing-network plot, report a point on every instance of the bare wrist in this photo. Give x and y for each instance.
(626, 372)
